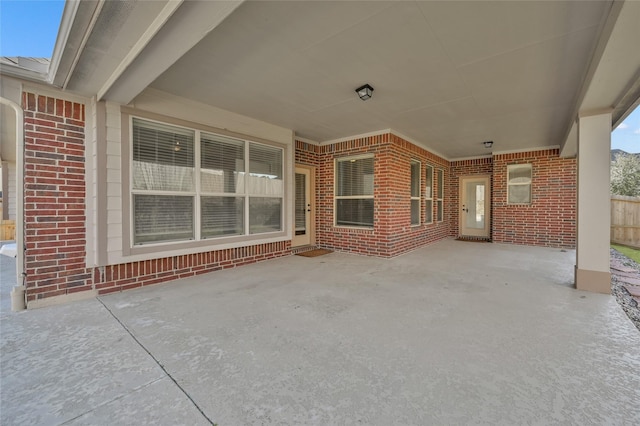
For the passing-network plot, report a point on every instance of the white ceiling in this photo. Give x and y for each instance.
(449, 75)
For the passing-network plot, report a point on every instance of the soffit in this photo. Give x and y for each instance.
(616, 81)
(446, 74)
(116, 29)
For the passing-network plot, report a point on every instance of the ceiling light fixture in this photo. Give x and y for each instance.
(365, 92)
(487, 144)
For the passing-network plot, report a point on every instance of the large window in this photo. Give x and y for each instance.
(354, 192)
(519, 184)
(236, 188)
(428, 195)
(415, 193)
(440, 195)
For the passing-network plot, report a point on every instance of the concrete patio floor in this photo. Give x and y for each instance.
(452, 333)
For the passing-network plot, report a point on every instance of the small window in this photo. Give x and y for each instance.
(428, 195)
(440, 195)
(354, 192)
(519, 184)
(415, 193)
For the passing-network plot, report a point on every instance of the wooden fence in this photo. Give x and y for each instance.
(7, 230)
(625, 220)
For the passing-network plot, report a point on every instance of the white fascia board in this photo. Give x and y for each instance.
(179, 32)
(68, 16)
(23, 73)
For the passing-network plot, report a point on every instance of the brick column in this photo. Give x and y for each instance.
(54, 198)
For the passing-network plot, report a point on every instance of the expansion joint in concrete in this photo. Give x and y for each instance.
(135, 339)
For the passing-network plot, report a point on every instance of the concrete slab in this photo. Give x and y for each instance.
(75, 362)
(453, 333)
(7, 281)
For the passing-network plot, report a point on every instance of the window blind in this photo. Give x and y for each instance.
(221, 164)
(163, 157)
(354, 192)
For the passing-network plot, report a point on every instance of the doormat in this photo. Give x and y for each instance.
(314, 253)
(474, 239)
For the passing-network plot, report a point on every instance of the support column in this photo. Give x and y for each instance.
(594, 200)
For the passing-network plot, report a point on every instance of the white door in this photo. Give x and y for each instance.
(475, 206)
(303, 216)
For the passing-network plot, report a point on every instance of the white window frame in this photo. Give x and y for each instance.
(198, 193)
(352, 197)
(428, 194)
(529, 184)
(440, 195)
(413, 197)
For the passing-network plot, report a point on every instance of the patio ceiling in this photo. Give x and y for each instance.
(448, 75)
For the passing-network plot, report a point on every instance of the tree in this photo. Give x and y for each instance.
(625, 175)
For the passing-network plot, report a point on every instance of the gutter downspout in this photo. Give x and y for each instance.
(18, 300)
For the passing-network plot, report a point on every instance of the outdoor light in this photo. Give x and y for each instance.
(488, 144)
(364, 92)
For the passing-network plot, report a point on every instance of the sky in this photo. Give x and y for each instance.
(627, 135)
(29, 27)
(42, 19)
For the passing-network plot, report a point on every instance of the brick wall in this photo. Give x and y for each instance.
(550, 219)
(113, 278)
(392, 233)
(54, 191)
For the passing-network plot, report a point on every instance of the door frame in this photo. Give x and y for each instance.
(486, 232)
(311, 171)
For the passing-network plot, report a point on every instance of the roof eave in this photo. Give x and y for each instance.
(23, 73)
